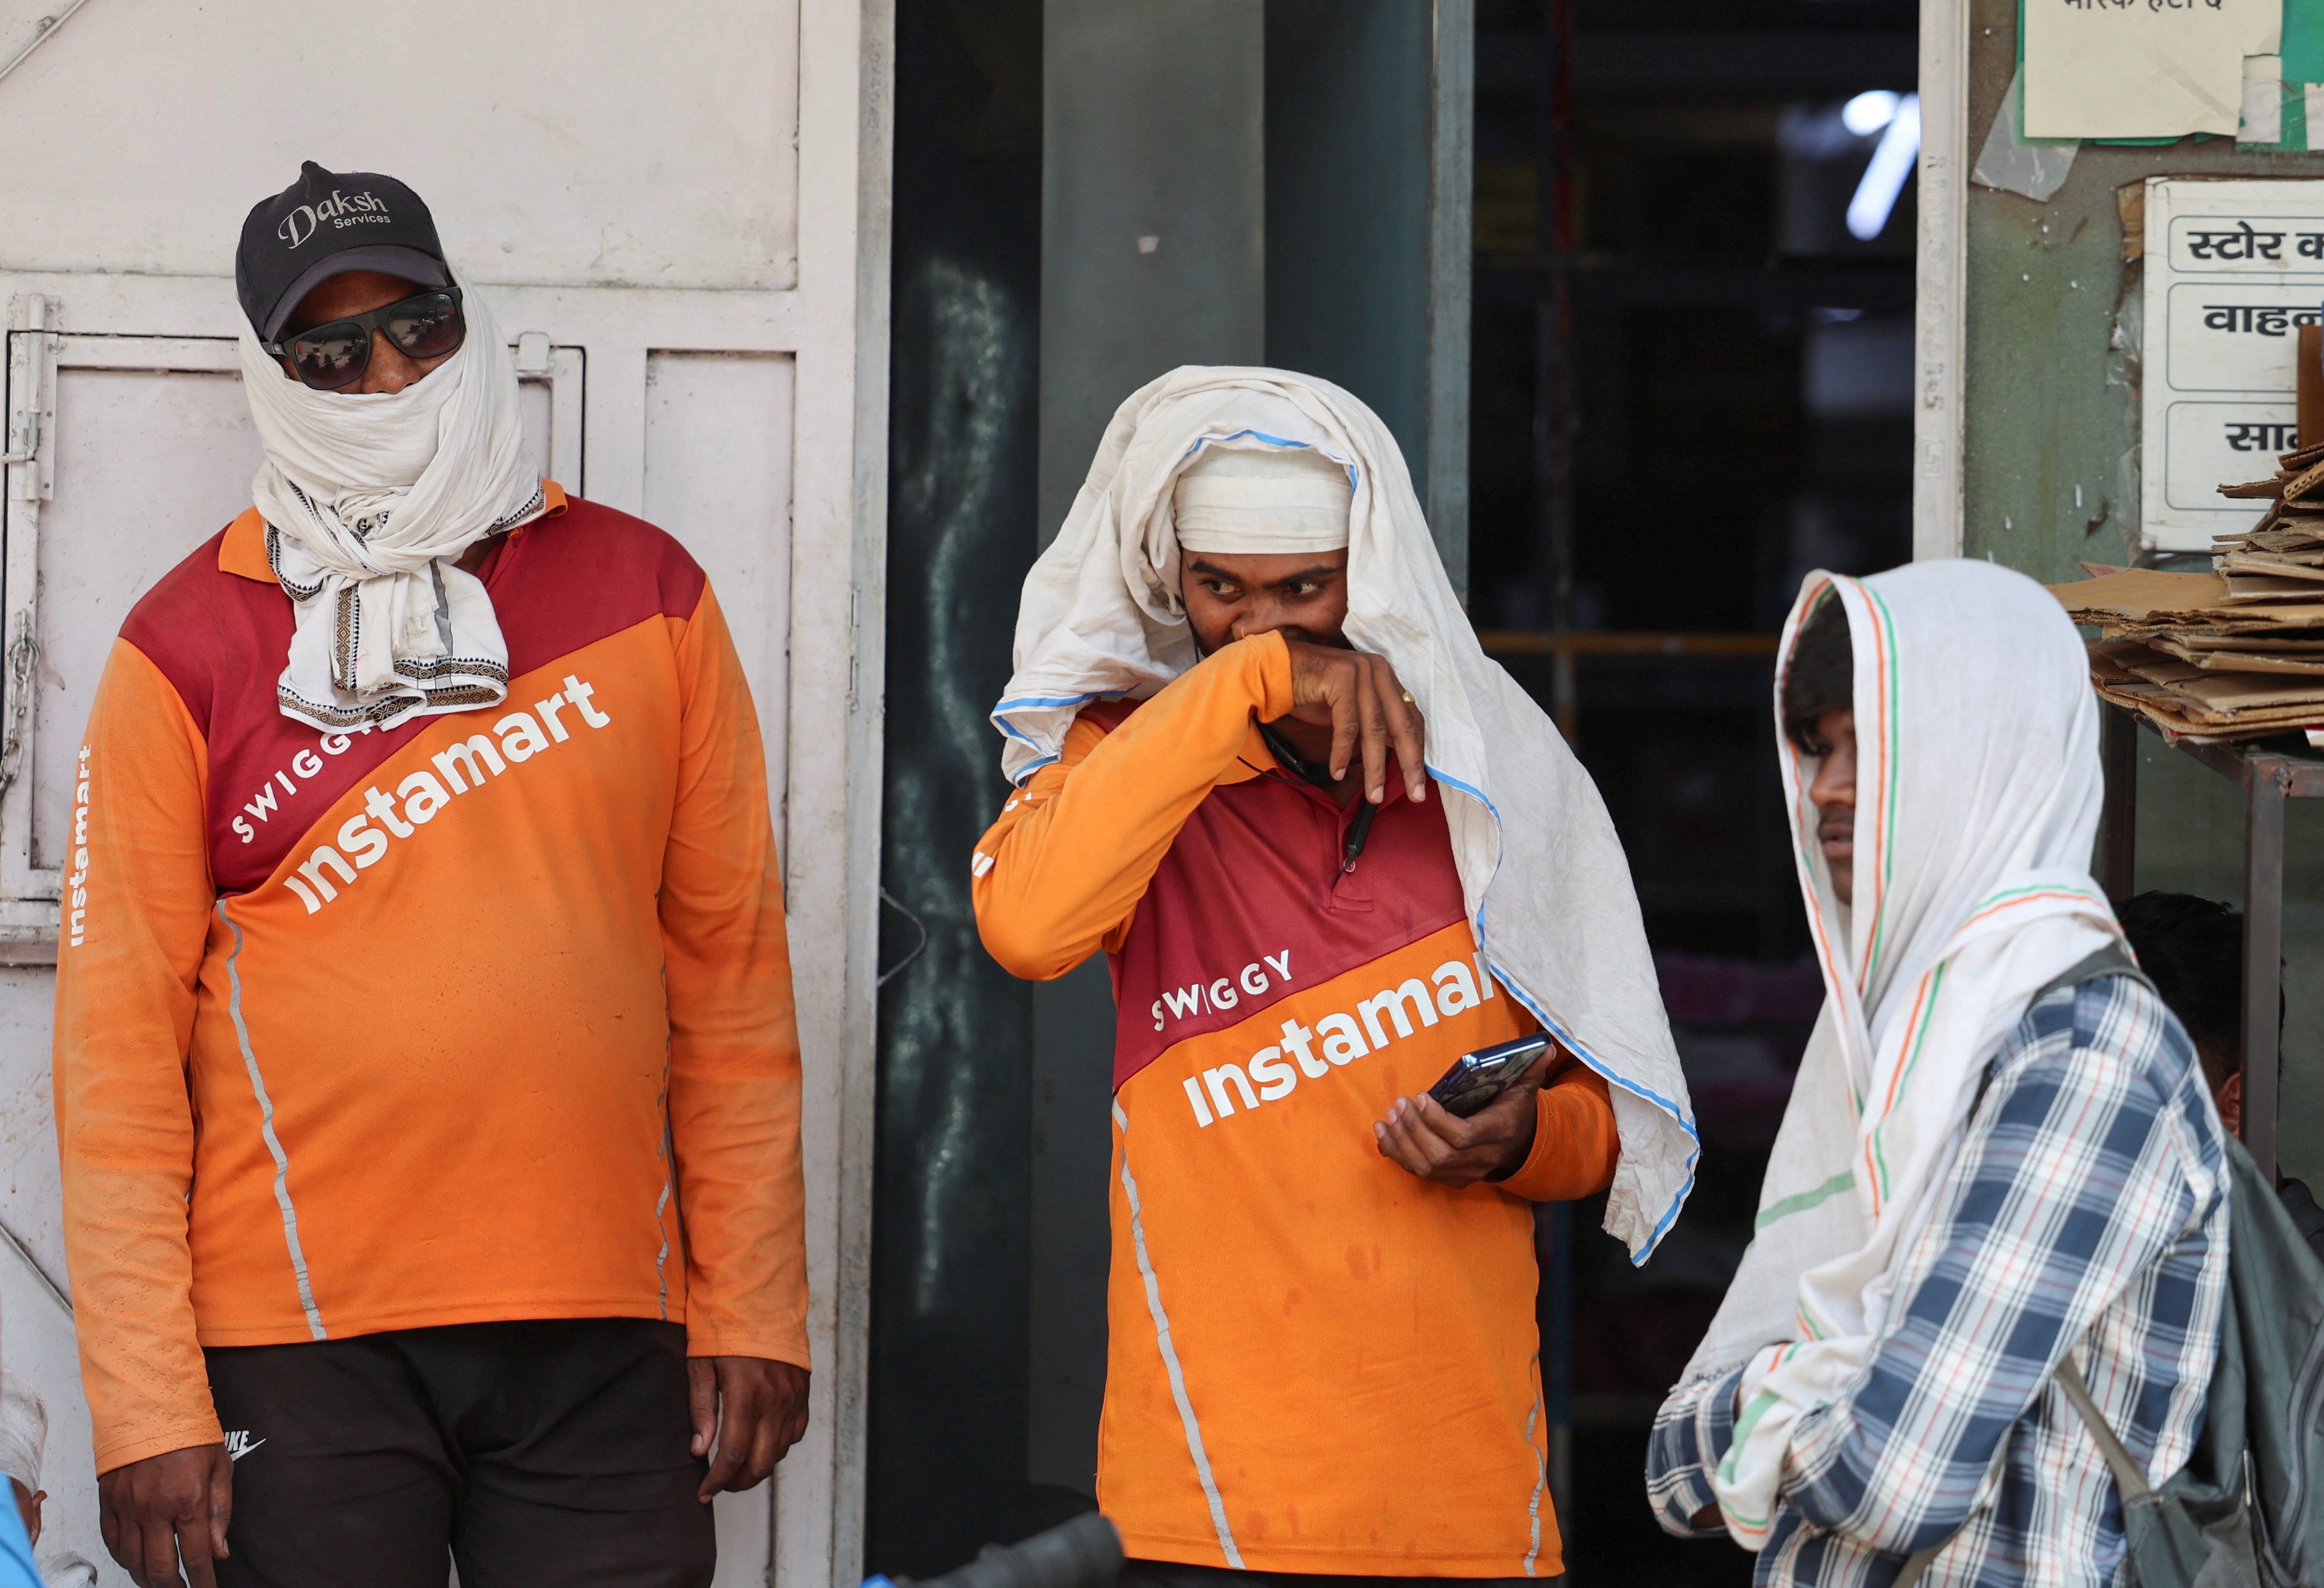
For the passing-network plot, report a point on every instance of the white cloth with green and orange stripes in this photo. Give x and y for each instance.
(1978, 793)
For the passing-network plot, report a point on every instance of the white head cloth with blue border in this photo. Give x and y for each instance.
(1546, 884)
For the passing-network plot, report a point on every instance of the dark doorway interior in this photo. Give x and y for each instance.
(949, 1358)
(1691, 384)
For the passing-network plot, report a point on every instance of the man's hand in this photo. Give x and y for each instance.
(1436, 1145)
(167, 1510)
(1369, 712)
(764, 1405)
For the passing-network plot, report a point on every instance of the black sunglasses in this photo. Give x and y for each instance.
(426, 325)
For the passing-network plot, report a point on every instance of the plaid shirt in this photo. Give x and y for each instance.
(2089, 1204)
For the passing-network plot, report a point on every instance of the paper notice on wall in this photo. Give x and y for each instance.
(2233, 269)
(2141, 69)
(2262, 107)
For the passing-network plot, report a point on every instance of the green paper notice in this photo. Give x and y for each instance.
(2303, 40)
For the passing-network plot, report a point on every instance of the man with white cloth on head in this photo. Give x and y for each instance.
(2000, 1168)
(1262, 763)
(427, 1084)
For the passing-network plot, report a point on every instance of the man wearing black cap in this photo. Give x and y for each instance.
(427, 1083)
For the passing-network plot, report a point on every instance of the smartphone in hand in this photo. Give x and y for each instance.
(1477, 1078)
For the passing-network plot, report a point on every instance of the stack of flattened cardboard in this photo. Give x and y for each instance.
(2232, 654)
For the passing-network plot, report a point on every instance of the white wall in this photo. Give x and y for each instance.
(592, 144)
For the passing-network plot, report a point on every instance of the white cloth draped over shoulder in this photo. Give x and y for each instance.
(1546, 884)
(369, 499)
(1978, 792)
(23, 1431)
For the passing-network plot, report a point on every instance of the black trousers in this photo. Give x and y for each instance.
(1167, 1573)
(545, 1455)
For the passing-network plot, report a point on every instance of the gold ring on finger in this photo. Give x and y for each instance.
(1407, 697)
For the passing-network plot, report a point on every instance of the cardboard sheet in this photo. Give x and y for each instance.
(2293, 664)
(2232, 695)
(2192, 718)
(2212, 656)
(2095, 69)
(2245, 589)
(2153, 668)
(2205, 729)
(2292, 644)
(2279, 567)
(2141, 595)
(2290, 544)
(2114, 661)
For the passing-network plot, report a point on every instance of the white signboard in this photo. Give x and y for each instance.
(2234, 269)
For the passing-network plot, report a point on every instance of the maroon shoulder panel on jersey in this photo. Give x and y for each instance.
(1108, 715)
(557, 585)
(565, 582)
(1255, 901)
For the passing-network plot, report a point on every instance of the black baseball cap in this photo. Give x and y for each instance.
(325, 225)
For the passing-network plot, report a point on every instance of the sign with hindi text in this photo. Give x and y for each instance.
(2233, 269)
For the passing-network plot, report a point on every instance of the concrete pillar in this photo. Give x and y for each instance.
(1153, 209)
(1153, 254)
(1368, 109)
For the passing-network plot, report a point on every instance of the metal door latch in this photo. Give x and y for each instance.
(31, 398)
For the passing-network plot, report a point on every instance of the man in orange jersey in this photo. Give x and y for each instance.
(1328, 847)
(427, 1084)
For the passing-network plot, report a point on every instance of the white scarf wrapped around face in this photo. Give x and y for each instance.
(1978, 792)
(369, 501)
(1546, 884)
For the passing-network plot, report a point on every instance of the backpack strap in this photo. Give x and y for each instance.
(2127, 1477)
(2113, 960)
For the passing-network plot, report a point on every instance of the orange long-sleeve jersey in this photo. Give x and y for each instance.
(1315, 1362)
(488, 1017)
